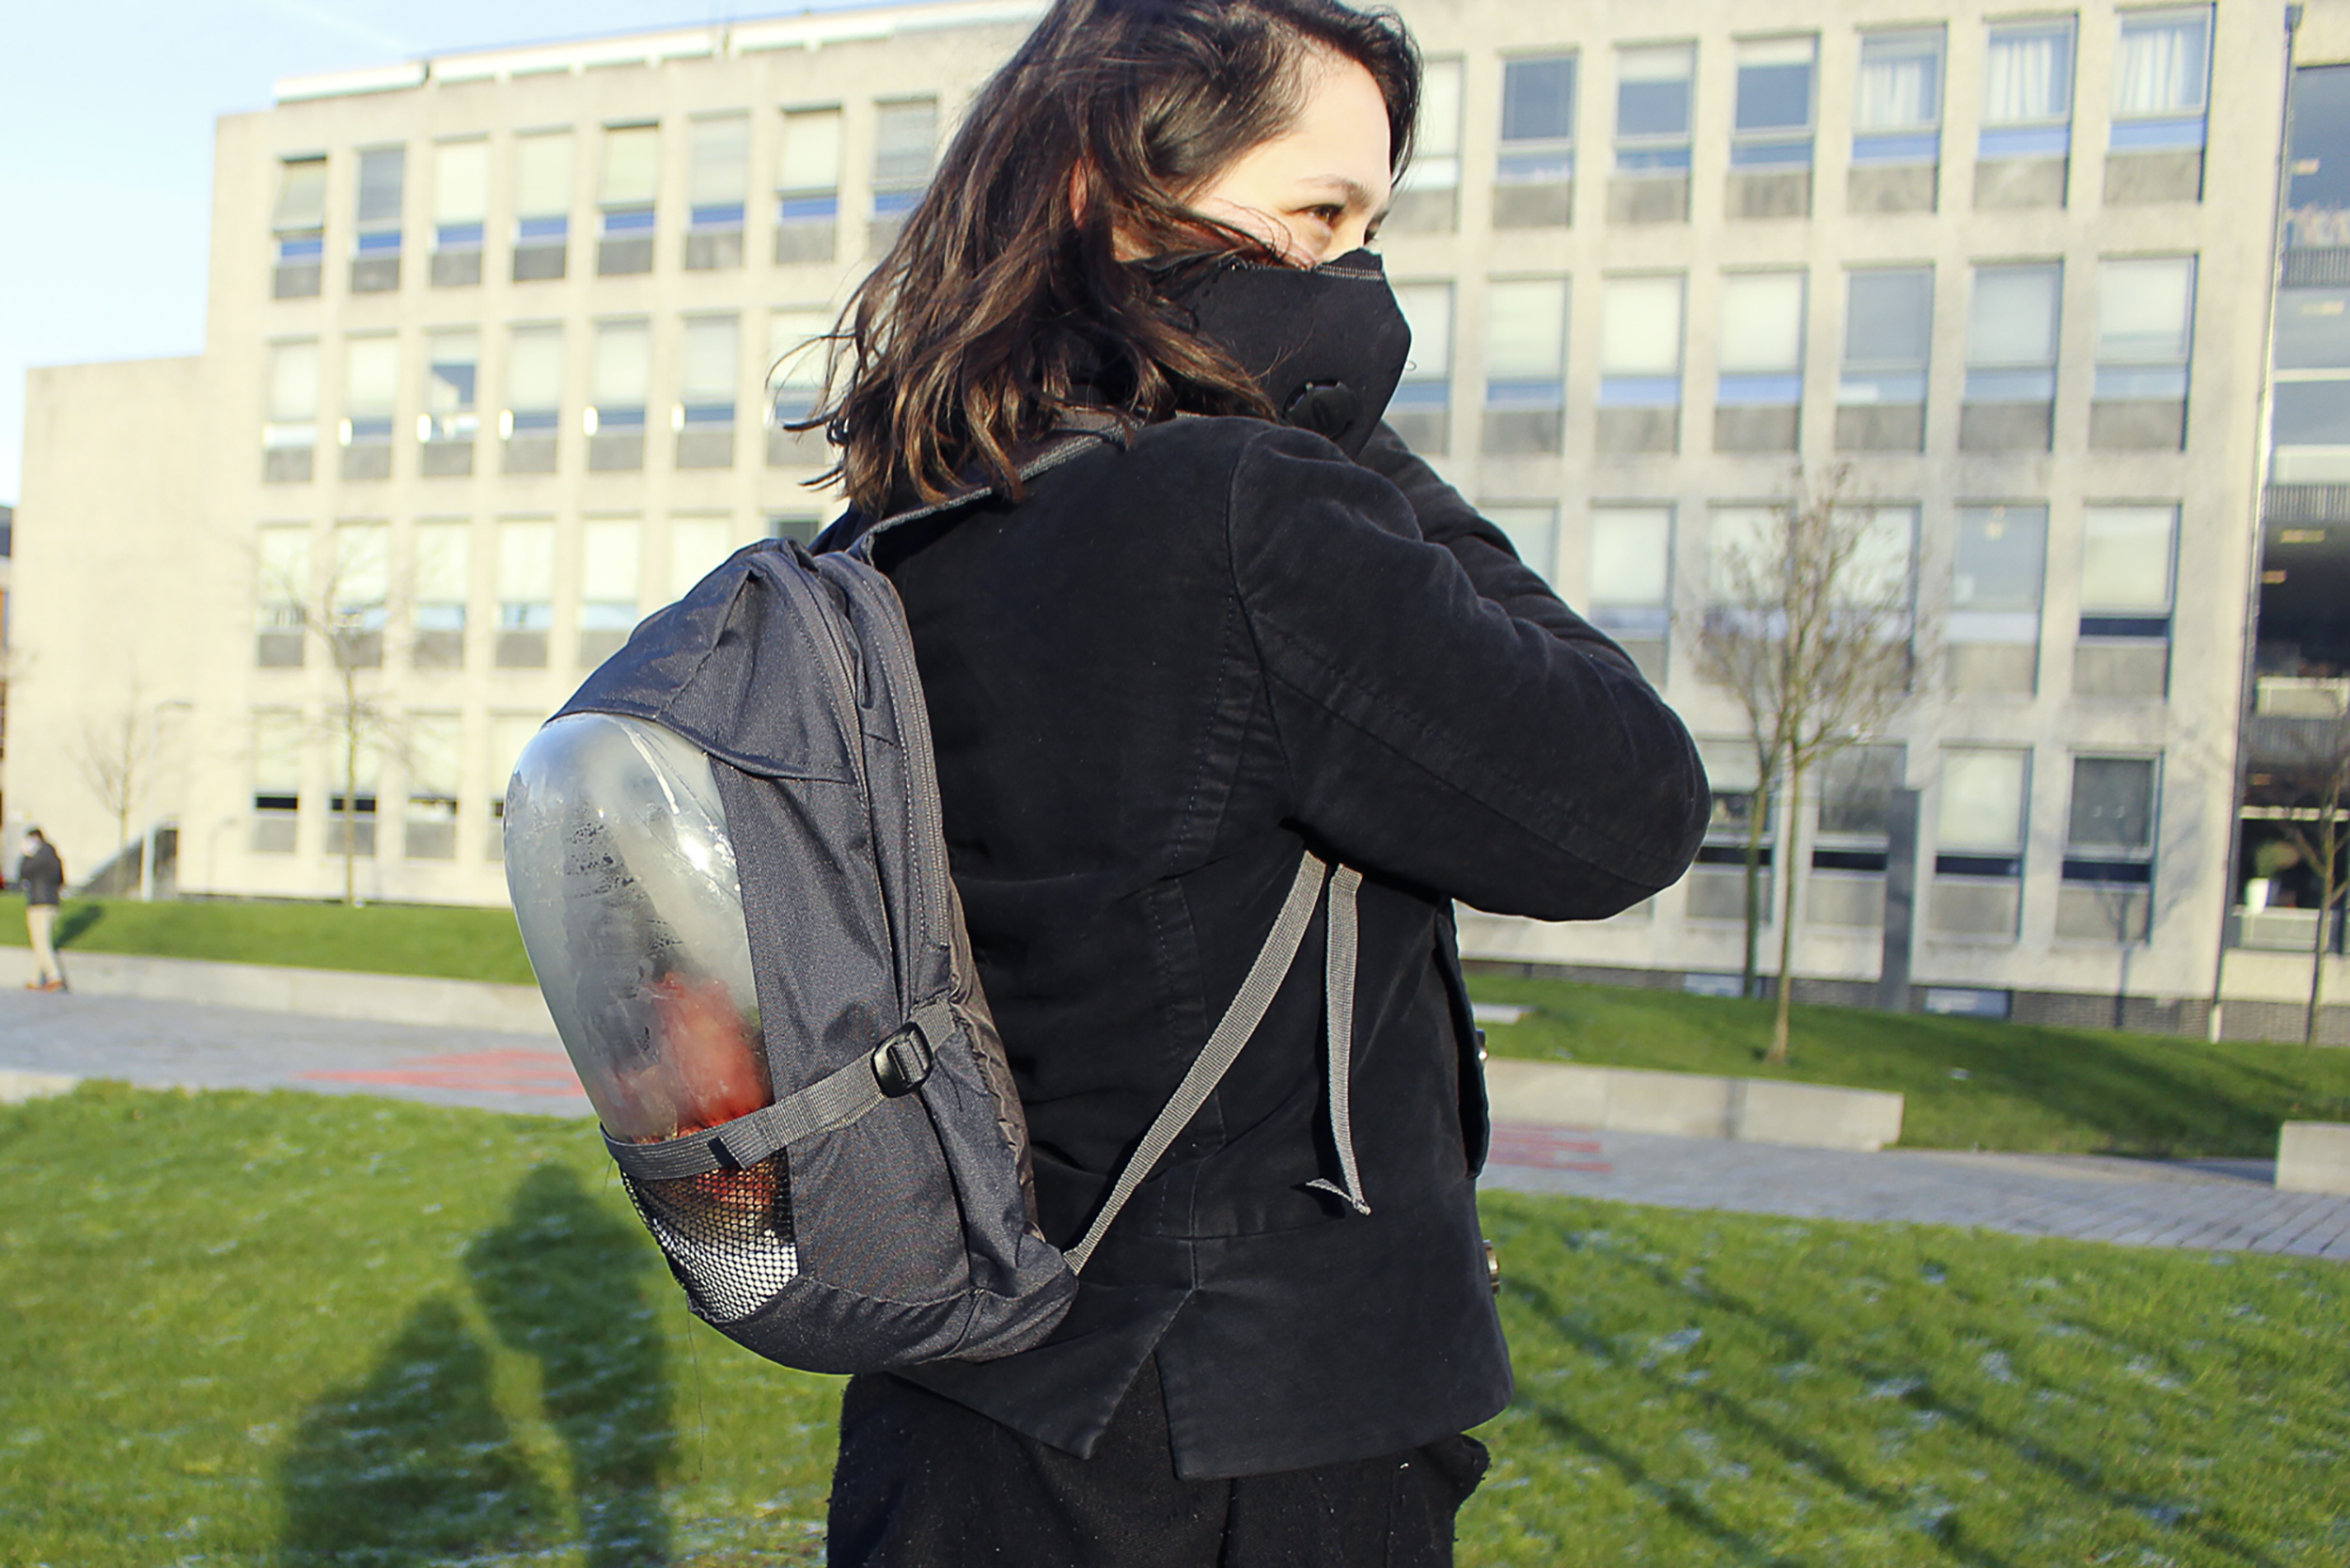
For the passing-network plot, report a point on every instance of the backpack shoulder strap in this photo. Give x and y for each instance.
(1240, 1021)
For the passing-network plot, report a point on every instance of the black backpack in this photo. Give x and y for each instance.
(880, 1212)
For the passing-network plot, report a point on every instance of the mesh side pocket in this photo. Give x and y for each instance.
(729, 1234)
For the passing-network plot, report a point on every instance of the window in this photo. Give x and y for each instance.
(452, 361)
(610, 573)
(370, 397)
(1981, 803)
(1897, 105)
(807, 185)
(1758, 360)
(383, 188)
(2011, 357)
(1420, 411)
(277, 780)
(281, 595)
(442, 579)
(534, 383)
(1640, 364)
(1997, 570)
(1653, 109)
(353, 776)
(2317, 198)
(299, 225)
(797, 347)
(709, 364)
(1525, 355)
(1773, 125)
(460, 207)
(619, 380)
(1536, 118)
(2145, 318)
(905, 138)
(1630, 590)
(2309, 431)
(1718, 883)
(1532, 528)
(696, 545)
(1427, 197)
(1855, 786)
(2160, 71)
(2027, 91)
(360, 594)
(797, 526)
(432, 749)
(543, 204)
(2108, 850)
(289, 427)
(525, 594)
(717, 181)
(627, 196)
(1888, 335)
(2129, 557)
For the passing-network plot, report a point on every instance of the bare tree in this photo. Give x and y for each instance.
(2303, 779)
(112, 753)
(1813, 629)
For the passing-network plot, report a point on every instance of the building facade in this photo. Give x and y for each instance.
(500, 346)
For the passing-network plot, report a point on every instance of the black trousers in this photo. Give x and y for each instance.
(923, 1483)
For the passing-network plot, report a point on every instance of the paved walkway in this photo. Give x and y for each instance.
(2223, 1205)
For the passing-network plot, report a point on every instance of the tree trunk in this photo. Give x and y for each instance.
(2326, 892)
(1749, 976)
(351, 790)
(1785, 864)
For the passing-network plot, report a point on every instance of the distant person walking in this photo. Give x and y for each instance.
(43, 873)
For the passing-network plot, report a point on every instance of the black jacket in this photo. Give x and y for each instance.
(1153, 680)
(42, 873)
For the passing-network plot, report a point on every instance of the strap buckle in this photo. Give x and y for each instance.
(903, 1061)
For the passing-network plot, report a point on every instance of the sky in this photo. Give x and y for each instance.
(106, 111)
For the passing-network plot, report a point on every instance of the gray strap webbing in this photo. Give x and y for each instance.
(833, 1101)
(1338, 999)
(1232, 1032)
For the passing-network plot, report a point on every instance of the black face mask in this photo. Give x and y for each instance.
(1328, 344)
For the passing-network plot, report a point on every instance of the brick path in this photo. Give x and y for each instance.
(2223, 1205)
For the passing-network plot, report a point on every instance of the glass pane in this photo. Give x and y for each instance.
(2318, 201)
(1856, 788)
(431, 750)
(301, 194)
(904, 136)
(608, 560)
(721, 153)
(277, 752)
(1982, 799)
(284, 558)
(696, 544)
(1526, 328)
(533, 369)
(632, 166)
(525, 562)
(2028, 76)
(1653, 90)
(1775, 84)
(623, 367)
(444, 562)
(1889, 317)
(2113, 805)
(1878, 567)
(1901, 81)
(2145, 310)
(2013, 317)
(543, 174)
(1428, 310)
(2313, 329)
(508, 735)
(708, 362)
(2312, 414)
(461, 181)
(1740, 534)
(382, 173)
(1538, 99)
(293, 382)
(370, 377)
(450, 362)
(1761, 327)
(1640, 329)
(2125, 559)
(363, 566)
(2161, 67)
(811, 156)
(1533, 532)
(1631, 555)
(2001, 555)
(1439, 110)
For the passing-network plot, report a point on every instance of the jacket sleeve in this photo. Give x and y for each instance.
(1491, 747)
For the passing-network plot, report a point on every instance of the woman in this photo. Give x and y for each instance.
(1162, 657)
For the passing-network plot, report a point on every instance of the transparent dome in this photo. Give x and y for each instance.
(624, 884)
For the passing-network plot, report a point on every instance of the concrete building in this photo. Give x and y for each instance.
(497, 343)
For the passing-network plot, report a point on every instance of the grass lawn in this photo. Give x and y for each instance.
(379, 938)
(297, 1330)
(1968, 1082)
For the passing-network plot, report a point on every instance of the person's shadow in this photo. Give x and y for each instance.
(417, 1466)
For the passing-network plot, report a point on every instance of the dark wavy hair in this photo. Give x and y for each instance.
(1003, 306)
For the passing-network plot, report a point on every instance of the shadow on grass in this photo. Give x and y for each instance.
(74, 921)
(417, 1466)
